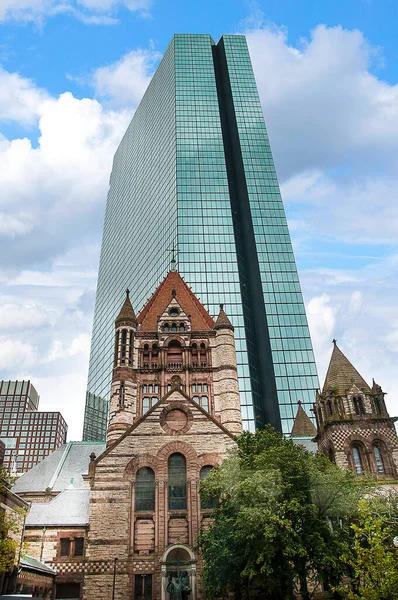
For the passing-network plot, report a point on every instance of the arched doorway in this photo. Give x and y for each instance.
(178, 573)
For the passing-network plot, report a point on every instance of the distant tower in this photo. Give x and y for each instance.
(354, 427)
(122, 409)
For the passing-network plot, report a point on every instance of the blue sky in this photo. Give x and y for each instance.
(71, 76)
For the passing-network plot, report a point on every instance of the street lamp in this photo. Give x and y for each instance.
(114, 577)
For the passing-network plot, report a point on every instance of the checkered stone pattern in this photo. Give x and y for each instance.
(100, 567)
(337, 435)
(64, 568)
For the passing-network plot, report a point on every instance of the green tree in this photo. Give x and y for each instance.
(10, 526)
(281, 520)
(372, 558)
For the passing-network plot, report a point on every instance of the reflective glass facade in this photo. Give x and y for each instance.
(195, 170)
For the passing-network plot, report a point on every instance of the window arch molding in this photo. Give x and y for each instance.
(145, 460)
(183, 448)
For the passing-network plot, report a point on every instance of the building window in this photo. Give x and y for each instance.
(145, 489)
(205, 472)
(174, 354)
(177, 482)
(121, 394)
(357, 460)
(378, 460)
(71, 546)
(174, 312)
(124, 344)
(358, 405)
(166, 328)
(174, 328)
(143, 587)
(65, 546)
(146, 404)
(377, 406)
(79, 546)
(196, 399)
(182, 327)
(205, 403)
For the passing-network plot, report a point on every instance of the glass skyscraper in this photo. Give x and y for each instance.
(194, 172)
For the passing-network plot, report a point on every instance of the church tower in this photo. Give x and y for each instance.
(122, 407)
(354, 427)
(174, 415)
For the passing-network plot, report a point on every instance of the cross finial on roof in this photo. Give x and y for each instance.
(173, 261)
(334, 342)
(127, 292)
(299, 402)
(173, 293)
(221, 306)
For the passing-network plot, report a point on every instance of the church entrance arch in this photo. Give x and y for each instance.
(178, 566)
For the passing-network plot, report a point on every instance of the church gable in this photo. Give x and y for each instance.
(173, 286)
(175, 416)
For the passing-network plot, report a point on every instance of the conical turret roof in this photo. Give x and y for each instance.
(342, 375)
(127, 313)
(222, 320)
(303, 426)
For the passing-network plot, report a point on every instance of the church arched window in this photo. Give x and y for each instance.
(145, 489)
(182, 327)
(205, 472)
(174, 353)
(378, 456)
(124, 345)
(121, 394)
(329, 408)
(174, 328)
(177, 475)
(166, 328)
(358, 405)
(357, 459)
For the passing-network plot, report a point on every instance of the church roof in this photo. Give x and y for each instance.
(173, 285)
(69, 508)
(302, 426)
(222, 320)
(341, 374)
(58, 468)
(126, 312)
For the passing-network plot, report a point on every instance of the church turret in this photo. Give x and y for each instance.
(122, 408)
(354, 427)
(226, 388)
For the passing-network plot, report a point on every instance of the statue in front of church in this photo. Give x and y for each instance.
(177, 587)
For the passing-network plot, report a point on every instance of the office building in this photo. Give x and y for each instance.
(194, 181)
(28, 435)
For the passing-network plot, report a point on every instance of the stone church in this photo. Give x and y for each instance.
(174, 412)
(119, 520)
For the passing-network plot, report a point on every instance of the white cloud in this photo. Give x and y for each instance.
(20, 98)
(321, 103)
(94, 12)
(125, 81)
(16, 354)
(18, 316)
(363, 321)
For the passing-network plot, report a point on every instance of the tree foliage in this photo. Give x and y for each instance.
(372, 557)
(10, 527)
(280, 522)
